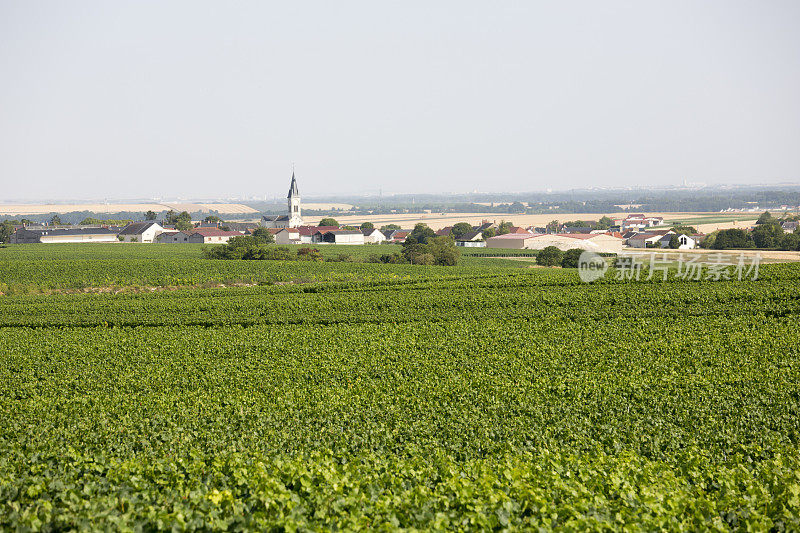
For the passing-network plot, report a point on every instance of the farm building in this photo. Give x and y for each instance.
(473, 239)
(300, 234)
(212, 236)
(601, 243)
(650, 239)
(339, 236)
(516, 241)
(64, 235)
(373, 236)
(141, 232)
(172, 237)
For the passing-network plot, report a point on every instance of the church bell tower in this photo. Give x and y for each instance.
(295, 218)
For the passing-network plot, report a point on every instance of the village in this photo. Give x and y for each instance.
(606, 235)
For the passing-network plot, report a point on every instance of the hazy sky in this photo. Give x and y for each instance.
(140, 99)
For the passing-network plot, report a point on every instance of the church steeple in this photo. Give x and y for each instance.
(293, 188)
(293, 201)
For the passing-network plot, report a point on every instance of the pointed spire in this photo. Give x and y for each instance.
(293, 191)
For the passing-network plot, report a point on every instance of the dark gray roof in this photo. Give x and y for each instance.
(137, 228)
(469, 236)
(293, 188)
(275, 218)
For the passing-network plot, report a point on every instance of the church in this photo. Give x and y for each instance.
(293, 218)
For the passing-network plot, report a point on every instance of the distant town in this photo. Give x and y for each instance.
(602, 235)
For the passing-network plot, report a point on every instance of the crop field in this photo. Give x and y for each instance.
(318, 396)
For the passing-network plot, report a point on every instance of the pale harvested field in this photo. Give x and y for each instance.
(43, 209)
(326, 207)
(439, 220)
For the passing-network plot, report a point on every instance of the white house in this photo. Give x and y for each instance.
(373, 236)
(141, 232)
(339, 236)
(294, 217)
(65, 235)
(472, 239)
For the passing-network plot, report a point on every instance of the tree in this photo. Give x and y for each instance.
(170, 217)
(183, 225)
(421, 233)
(7, 230)
(488, 233)
(444, 251)
(604, 223)
(460, 229)
(791, 242)
(388, 227)
(516, 207)
(550, 256)
(150, 215)
(571, 258)
(504, 227)
(328, 221)
(367, 225)
(765, 218)
(731, 238)
(263, 235)
(767, 235)
(212, 219)
(685, 230)
(552, 226)
(674, 243)
(55, 220)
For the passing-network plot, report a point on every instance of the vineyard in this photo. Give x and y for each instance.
(377, 396)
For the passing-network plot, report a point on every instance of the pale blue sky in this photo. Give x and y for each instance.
(217, 99)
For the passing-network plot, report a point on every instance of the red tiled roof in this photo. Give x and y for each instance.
(311, 230)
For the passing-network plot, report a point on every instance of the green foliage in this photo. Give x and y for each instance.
(685, 230)
(571, 258)
(263, 235)
(731, 238)
(604, 223)
(790, 241)
(504, 228)
(433, 250)
(420, 234)
(212, 219)
(174, 218)
(328, 221)
(389, 227)
(461, 229)
(386, 397)
(766, 218)
(55, 220)
(767, 235)
(7, 230)
(549, 256)
(367, 225)
(150, 215)
(674, 243)
(90, 221)
(488, 233)
(309, 254)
